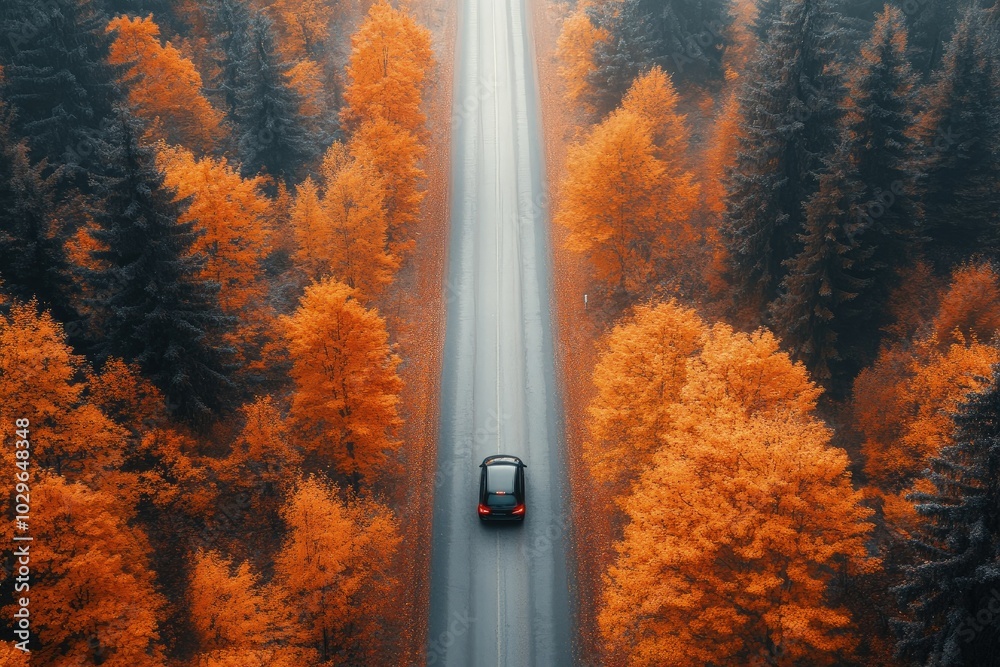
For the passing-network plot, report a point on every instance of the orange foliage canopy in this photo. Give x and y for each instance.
(306, 78)
(40, 377)
(343, 233)
(903, 403)
(231, 212)
(903, 406)
(652, 97)
(736, 530)
(336, 569)
(720, 155)
(575, 49)
(394, 153)
(92, 593)
(166, 86)
(303, 26)
(312, 230)
(971, 305)
(10, 656)
(619, 229)
(635, 158)
(262, 452)
(235, 617)
(354, 204)
(390, 57)
(346, 386)
(639, 375)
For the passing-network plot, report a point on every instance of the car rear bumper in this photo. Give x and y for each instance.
(501, 517)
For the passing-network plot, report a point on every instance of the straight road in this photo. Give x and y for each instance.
(499, 594)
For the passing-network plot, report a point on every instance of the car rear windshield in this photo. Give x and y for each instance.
(500, 478)
(501, 501)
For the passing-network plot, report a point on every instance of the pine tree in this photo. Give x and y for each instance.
(818, 296)
(960, 138)
(57, 78)
(789, 124)
(768, 12)
(692, 35)
(859, 225)
(272, 135)
(687, 37)
(631, 48)
(931, 24)
(32, 261)
(230, 21)
(953, 596)
(153, 308)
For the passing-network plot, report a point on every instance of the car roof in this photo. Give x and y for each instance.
(502, 459)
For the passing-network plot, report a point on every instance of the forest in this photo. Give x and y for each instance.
(793, 404)
(218, 222)
(202, 205)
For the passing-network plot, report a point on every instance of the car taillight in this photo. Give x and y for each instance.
(483, 509)
(518, 510)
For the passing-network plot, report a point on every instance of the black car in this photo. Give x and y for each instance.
(501, 488)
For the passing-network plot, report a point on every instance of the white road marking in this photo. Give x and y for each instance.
(497, 237)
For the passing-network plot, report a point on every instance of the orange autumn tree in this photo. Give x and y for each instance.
(93, 598)
(311, 229)
(346, 387)
(157, 464)
(306, 78)
(740, 525)
(720, 155)
(231, 213)
(636, 158)
(238, 620)
(262, 453)
(342, 231)
(166, 88)
(639, 374)
(575, 49)
(354, 206)
(971, 304)
(903, 403)
(40, 377)
(652, 96)
(618, 230)
(302, 27)
(904, 406)
(394, 153)
(10, 656)
(391, 56)
(335, 570)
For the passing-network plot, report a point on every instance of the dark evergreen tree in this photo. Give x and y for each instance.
(768, 12)
(691, 35)
(952, 596)
(32, 261)
(960, 141)
(685, 37)
(631, 49)
(789, 108)
(818, 300)
(860, 225)
(931, 24)
(230, 20)
(57, 78)
(152, 308)
(272, 137)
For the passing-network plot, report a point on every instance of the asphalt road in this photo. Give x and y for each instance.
(499, 593)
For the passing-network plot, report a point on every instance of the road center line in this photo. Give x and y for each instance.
(497, 237)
